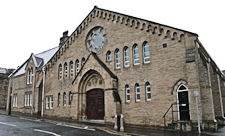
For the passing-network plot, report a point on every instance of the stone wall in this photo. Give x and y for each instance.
(3, 90)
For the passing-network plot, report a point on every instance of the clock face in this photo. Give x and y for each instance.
(96, 39)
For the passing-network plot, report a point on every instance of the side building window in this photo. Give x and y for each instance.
(136, 54)
(59, 99)
(31, 75)
(65, 70)
(70, 97)
(126, 56)
(108, 56)
(15, 100)
(64, 99)
(28, 100)
(137, 92)
(49, 102)
(148, 91)
(60, 71)
(71, 69)
(146, 52)
(77, 66)
(28, 76)
(127, 92)
(117, 58)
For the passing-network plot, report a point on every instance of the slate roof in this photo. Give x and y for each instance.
(3, 70)
(40, 60)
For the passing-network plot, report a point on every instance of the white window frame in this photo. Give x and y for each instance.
(108, 56)
(60, 71)
(47, 102)
(136, 54)
(31, 76)
(126, 57)
(51, 102)
(146, 52)
(15, 100)
(71, 69)
(77, 66)
(65, 70)
(28, 76)
(127, 93)
(30, 99)
(117, 59)
(148, 91)
(137, 87)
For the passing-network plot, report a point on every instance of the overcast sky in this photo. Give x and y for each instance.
(32, 26)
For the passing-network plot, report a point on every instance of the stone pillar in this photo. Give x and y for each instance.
(121, 123)
(115, 123)
(222, 88)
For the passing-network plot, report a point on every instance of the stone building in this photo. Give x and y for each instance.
(114, 65)
(4, 82)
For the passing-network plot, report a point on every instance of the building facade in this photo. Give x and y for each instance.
(115, 65)
(4, 82)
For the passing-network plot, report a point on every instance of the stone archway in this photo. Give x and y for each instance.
(91, 96)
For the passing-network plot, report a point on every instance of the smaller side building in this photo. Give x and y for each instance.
(4, 82)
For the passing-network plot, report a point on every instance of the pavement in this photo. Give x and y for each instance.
(26, 126)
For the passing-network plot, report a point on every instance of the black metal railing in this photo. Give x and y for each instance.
(171, 107)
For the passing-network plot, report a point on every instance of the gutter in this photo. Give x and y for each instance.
(43, 92)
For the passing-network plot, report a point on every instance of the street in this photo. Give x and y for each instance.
(18, 126)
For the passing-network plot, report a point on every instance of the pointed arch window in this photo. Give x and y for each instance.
(71, 69)
(31, 75)
(70, 97)
(59, 99)
(137, 92)
(136, 54)
(126, 57)
(117, 58)
(146, 52)
(65, 70)
(77, 66)
(64, 99)
(82, 61)
(60, 71)
(148, 91)
(28, 76)
(127, 91)
(108, 56)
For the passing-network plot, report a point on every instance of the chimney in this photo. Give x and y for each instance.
(63, 38)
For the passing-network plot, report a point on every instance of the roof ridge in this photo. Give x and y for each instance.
(46, 50)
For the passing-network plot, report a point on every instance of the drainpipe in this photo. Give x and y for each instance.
(43, 91)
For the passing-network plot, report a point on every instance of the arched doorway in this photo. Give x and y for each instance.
(95, 104)
(183, 103)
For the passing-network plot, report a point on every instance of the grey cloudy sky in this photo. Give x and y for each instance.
(32, 26)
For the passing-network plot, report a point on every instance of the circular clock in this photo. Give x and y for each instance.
(96, 39)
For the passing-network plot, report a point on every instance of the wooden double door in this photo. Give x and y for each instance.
(95, 104)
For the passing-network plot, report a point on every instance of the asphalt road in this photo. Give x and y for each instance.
(17, 126)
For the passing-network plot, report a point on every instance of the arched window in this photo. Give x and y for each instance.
(65, 70)
(148, 91)
(137, 92)
(59, 99)
(136, 54)
(126, 57)
(108, 56)
(146, 52)
(31, 75)
(71, 69)
(77, 66)
(60, 71)
(82, 61)
(70, 97)
(117, 58)
(127, 91)
(64, 99)
(28, 76)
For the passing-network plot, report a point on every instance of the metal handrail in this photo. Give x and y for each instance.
(164, 116)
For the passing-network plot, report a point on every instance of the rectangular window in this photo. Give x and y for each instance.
(127, 94)
(15, 100)
(138, 96)
(51, 102)
(47, 102)
(28, 99)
